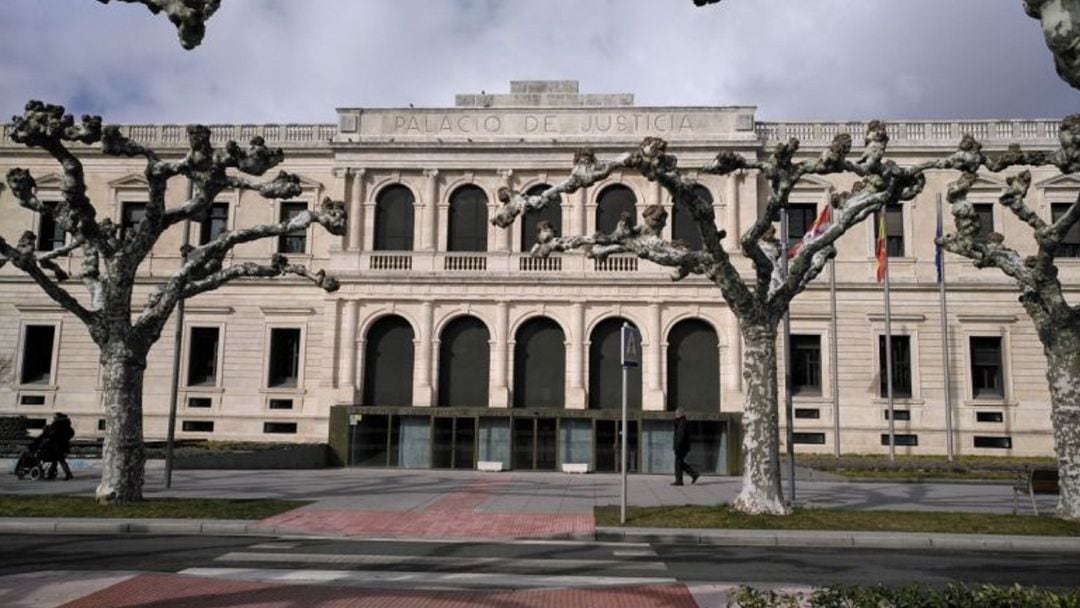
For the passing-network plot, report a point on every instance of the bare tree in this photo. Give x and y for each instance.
(189, 16)
(5, 368)
(111, 256)
(758, 301)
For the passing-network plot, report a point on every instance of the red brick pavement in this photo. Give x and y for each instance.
(455, 515)
(177, 591)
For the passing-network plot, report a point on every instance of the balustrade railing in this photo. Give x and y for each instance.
(458, 263)
(390, 262)
(914, 133)
(531, 264)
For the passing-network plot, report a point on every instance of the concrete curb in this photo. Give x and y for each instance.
(730, 538)
(835, 539)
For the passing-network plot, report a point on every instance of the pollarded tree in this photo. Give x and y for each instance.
(189, 16)
(1057, 323)
(110, 256)
(760, 300)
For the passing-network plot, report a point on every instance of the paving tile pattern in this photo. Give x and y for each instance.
(458, 514)
(177, 591)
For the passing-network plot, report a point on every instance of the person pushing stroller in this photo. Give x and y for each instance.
(48, 451)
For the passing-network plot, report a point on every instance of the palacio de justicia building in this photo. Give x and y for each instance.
(448, 345)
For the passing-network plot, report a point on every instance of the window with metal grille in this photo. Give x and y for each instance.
(295, 241)
(987, 377)
(284, 357)
(805, 364)
(894, 230)
(901, 366)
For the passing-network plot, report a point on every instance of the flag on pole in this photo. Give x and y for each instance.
(824, 219)
(939, 257)
(882, 248)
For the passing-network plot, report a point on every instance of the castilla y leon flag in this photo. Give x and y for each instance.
(882, 249)
(817, 229)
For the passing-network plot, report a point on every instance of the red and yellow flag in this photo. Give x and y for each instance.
(821, 224)
(882, 252)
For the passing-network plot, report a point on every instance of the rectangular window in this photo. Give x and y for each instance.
(901, 372)
(37, 354)
(801, 217)
(987, 379)
(281, 404)
(811, 438)
(101, 424)
(284, 357)
(288, 428)
(296, 241)
(1001, 443)
(985, 213)
(51, 235)
(989, 417)
(894, 230)
(198, 426)
(805, 364)
(807, 412)
(900, 439)
(200, 402)
(1070, 245)
(32, 400)
(130, 216)
(215, 224)
(202, 356)
(900, 414)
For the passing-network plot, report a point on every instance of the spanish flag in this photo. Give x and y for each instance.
(882, 248)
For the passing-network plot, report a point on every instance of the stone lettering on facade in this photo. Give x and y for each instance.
(566, 123)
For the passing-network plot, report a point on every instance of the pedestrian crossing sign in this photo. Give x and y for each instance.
(631, 346)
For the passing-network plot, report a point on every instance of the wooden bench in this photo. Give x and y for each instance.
(1032, 481)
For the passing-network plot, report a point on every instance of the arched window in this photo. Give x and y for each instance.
(605, 368)
(693, 367)
(468, 220)
(464, 363)
(611, 204)
(539, 364)
(551, 213)
(683, 227)
(394, 219)
(388, 363)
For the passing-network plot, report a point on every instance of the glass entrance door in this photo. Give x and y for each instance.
(534, 444)
(453, 443)
(608, 448)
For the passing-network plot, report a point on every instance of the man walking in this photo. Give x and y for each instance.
(682, 448)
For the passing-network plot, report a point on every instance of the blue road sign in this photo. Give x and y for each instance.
(631, 346)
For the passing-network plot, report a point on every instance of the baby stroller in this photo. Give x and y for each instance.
(31, 463)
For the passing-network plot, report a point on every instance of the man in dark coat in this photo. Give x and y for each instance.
(682, 448)
(55, 444)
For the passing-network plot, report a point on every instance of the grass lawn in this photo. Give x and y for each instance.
(877, 466)
(689, 516)
(173, 508)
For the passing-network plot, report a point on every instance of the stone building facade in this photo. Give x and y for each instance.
(448, 345)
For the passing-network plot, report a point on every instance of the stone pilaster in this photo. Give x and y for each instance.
(502, 235)
(355, 206)
(576, 395)
(498, 386)
(431, 211)
(347, 375)
(653, 399)
(731, 217)
(423, 395)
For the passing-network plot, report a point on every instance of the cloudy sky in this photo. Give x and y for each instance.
(296, 60)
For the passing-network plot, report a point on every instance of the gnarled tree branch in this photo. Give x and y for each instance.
(189, 16)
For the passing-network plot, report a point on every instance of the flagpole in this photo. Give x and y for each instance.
(788, 405)
(940, 263)
(888, 342)
(834, 348)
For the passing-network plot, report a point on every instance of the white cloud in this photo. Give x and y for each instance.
(295, 61)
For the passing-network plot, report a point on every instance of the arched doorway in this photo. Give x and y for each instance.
(539, 364)
(467, 228)
(611, 204)
(693, 367)
(464, 363)
(388, 363)
(394, 219)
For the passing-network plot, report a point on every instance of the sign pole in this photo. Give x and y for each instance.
(631, 356)
(788, 404)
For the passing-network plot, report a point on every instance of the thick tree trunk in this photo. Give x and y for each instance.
(123, 456)
(1063, 373)
(761, 489)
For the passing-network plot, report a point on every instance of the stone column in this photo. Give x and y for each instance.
(654, 396)
(431, 211)
(502, 235)
(347, 374)
(356, 210)
(579, 222)
(576, 397)
(423, 395)
(731, 219)
(498, 389)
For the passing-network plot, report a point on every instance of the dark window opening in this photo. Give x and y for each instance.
(900, 439)
(985, 213)
(388, 363)
(539, 364)
(989, 417)
(101, 424)
(693, 367)
(894, 230)
(295, 241)
(464, 363)
(810, 438)
(37, 354)
(807, 412)
(198, 426)
(530, 221)
(898, 414)
(468, 220)
(284, 357)
(203, 356)
(801, 217)
(36, 423)
(1002, 443)
(901, 364)
(683, 226)
(32, 400)
(200, 402)
(987, 377)
(215, 224)
(51, 235)
(805, 364)
(286, 428)
(612, 203)
(281, 404)
(394, 210)
(130, 216)
(1070, 245)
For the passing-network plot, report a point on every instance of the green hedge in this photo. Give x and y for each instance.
(12, 427)
(908, 596)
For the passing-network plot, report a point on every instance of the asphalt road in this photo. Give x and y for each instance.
(520, 564)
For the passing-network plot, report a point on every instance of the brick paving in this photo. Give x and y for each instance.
(458, 514)
(178, 591)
